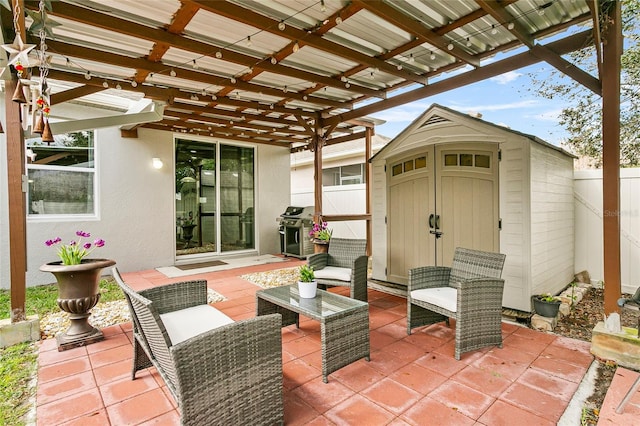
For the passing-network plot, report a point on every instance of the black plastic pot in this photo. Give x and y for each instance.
(546, 309)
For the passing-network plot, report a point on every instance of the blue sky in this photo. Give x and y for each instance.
(501, 100)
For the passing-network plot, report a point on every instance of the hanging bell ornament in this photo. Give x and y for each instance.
(39, 126)
(47, 136)
(18, 94)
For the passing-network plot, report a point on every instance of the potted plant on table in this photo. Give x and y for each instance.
(307, 284)
(546, 305)
(78, 281)
(320, 236)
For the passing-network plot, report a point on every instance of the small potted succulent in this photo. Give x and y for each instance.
(307, 284)
(546, 305)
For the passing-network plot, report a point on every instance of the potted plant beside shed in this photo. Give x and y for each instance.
(546, 305)
(320, 236)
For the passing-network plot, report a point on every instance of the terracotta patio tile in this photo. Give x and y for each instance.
(114, 371)
(379, 318)
(573, 356)
(64, 368)
(112, 341)
(622, 381)
(320, 421)
(112, 330)
(126, 326)
(69, 408)
(424, 341)
(418, 378)
(395, 329)
(140, 408)
(379, 340)
(524, 343)
(47, 345)
(511, 353)
(392, 395)
(298, 372)
(172, 418)
(65, 386)
(358, 410)
(482, 380)
(95, 418)
(468, 401)
(537, 402)
(323, 396)
(499, 367)
(358, 375)
(51, 357)
(296, 411)
(504, 414)
(169, 396)
(109, 356)
(123, 389)
(561, 368)
(314, 359)
(441, 364)
(385, 362)
(508, 328)
(436, 413)
(538, 336)
(405, 351)
(575, 344)
(543, 381)
(398, 422)
(301, 347)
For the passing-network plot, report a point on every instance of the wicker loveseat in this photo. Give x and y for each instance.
(469, 291)
(219, 371)
(345, 265)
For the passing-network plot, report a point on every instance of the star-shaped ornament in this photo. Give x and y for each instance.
(38, 62)
(19, 52)
(41, 21)
(6, 4)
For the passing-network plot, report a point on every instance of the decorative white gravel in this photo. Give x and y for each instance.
(275, 278)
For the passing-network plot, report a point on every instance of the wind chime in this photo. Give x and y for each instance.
(36, 99)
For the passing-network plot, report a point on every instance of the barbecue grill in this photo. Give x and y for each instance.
(295, 225)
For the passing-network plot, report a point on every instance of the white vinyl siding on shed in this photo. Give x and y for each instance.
(552, 231)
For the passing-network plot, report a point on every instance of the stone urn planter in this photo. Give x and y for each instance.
(78, 293)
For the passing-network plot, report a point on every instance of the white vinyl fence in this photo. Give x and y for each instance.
(588, 223)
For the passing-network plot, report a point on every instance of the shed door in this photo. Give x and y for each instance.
(438, 200)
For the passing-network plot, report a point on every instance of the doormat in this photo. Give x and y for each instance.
(228, 263)
(200, 265)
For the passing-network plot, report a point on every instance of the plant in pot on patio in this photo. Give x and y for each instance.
(320, 236)
(307, 284)
(78, 287)
(546, 305)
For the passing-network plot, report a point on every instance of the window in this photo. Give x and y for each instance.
(62, 175)
(345, 175)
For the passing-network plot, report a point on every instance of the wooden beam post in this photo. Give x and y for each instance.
(612, 50)
(317, 142)
(16, 178)
(368, 178)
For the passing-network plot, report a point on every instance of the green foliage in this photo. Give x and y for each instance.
(546, 297)
(41, 300)
(583, 118)
(17, 368)
(306, 273)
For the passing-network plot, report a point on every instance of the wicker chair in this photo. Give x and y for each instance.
(345, 265)
(469, 291)
(231, 374)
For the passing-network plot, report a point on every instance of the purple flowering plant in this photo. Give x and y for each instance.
(76, 250)
(320, 231)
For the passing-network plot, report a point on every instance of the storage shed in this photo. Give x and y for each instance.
(451, 179)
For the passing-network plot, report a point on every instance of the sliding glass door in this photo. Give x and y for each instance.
(209, 175)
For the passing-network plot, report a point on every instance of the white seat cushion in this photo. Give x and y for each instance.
(444, 297)
(333, 273)
(186, 323)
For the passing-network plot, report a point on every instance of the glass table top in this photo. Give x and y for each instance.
(323, 305)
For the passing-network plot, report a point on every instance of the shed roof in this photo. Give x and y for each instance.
(431, 116)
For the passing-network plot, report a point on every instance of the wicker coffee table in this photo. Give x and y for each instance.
(344, 322)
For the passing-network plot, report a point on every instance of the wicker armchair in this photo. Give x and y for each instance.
(231, 374)
(345, 265)
(469, 291)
